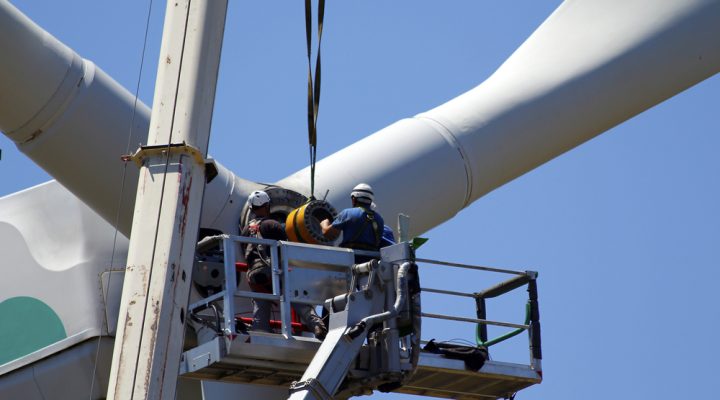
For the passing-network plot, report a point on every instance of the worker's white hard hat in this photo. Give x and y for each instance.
(363, 192)
(258, 198)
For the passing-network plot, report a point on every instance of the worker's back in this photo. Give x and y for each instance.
(362, 228)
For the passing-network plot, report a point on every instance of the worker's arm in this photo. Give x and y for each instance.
(328, 230)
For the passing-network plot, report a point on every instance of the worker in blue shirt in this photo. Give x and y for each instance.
(361, 226)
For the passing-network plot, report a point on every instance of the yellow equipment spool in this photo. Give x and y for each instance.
(303, 223)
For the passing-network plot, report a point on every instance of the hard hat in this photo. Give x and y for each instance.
(363, 191)
(258, 198)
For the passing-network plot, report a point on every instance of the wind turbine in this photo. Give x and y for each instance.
(502, 98)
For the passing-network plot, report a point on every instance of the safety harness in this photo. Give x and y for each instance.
(377, 230)
(259, 251)
(258, 275)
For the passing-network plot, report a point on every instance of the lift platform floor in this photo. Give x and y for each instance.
(270, 359)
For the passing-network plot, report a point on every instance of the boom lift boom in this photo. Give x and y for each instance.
(376, 309)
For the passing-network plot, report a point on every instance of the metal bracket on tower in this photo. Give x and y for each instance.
(166, 150)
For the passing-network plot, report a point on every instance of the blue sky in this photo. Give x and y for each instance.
(624, 230)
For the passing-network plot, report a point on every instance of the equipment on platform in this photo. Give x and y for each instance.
(303, 223)
(374, 341)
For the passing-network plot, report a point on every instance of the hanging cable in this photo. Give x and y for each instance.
(313, 102)
(122, 190)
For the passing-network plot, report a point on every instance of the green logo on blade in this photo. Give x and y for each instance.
(27, 325)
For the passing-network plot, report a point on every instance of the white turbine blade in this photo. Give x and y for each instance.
(590, 66)
(73, 120)
(23, 95)
(67, 115)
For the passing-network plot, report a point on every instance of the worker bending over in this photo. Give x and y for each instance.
(361, 226)
(259, 273)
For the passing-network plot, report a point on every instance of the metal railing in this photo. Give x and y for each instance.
(281, 255)
(521, 278)
(287, 258)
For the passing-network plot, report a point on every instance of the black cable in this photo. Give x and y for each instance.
(313, 101)
(122, 188)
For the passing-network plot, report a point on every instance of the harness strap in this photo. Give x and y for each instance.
(256, 248)
(369, 216)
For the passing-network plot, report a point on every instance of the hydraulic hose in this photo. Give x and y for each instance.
(417, 325)
(208, 242)
(505, 336)
(400, 299)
